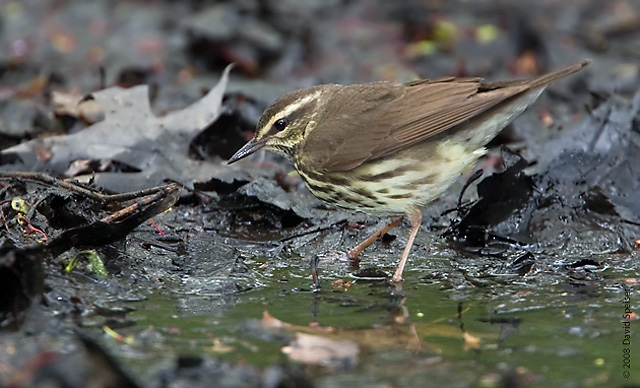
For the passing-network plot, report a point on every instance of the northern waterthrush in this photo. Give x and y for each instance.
(386, 148)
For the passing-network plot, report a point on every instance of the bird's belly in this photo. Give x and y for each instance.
(397, 184)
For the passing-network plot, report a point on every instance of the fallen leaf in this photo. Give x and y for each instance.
(132, 135)
(33, 88)
(386, 336)
(271, 322)
(313, 349)
(73, 104)
(470, 342)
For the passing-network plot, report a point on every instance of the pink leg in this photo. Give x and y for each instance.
(355, 252)
(415, 217)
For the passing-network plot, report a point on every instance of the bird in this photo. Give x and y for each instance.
(388, 149)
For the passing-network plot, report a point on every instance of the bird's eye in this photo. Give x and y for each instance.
(280, 124)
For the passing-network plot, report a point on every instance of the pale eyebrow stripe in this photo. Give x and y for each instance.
(293, 107)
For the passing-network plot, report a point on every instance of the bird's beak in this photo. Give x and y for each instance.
(252, 146)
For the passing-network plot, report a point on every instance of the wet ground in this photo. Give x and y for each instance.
(534, 284)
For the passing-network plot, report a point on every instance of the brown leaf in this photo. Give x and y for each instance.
(72, 104)
(132, 135)
(313, 349)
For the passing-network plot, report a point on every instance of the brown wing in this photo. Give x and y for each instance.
(352, 127)
(391, 117)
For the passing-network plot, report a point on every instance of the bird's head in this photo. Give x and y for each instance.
(285, 123)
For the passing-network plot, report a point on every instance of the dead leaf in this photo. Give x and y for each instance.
(272, 322)
(374, 338)
(73, 104)
(410, 336)
(470, 342)
(132, 135)
(313, 349)
(526, 63)
(77, 167)
(33, 88)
